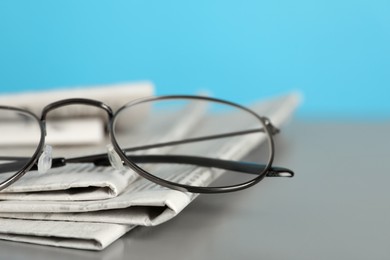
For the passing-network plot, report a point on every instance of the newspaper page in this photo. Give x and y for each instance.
(66, 122)
(140, 203)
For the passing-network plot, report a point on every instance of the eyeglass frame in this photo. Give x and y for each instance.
(269, 130)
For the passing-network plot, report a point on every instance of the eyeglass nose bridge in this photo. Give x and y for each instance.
(76, 101)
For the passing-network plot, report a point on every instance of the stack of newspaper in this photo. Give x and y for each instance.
(89, 207)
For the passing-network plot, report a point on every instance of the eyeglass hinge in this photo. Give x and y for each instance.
(271, 128)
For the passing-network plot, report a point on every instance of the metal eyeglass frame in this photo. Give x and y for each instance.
(261, 170)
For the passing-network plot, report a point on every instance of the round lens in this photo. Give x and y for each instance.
(19, 140)
(193, 141)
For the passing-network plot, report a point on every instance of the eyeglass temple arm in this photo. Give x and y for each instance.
(102, 160)
(273, 130)
(245, 167)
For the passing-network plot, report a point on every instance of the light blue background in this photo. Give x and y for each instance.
(335, 52)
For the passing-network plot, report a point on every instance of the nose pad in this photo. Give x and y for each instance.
(45, 160)
(115, 161)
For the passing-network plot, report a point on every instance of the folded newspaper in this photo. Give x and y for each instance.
(89, 207)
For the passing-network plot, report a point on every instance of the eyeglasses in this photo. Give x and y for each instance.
(197, 159)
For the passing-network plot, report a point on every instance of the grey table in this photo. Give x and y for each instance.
(337, 207)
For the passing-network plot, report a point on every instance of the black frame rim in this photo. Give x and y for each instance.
(34, 157)
(183, 187)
